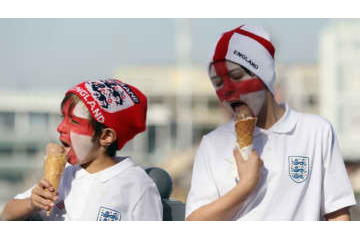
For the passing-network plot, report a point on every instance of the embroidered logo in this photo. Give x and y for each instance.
(107, 214)
(298, 168)
(112, 95)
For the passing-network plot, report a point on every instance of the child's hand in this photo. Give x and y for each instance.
(43, 196)
(249, 171)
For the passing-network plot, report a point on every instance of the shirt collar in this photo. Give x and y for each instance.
(285, 124)
(108, 173)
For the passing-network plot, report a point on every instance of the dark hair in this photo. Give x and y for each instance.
(98, 127)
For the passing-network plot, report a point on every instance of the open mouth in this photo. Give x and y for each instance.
(237, 104)
(65, 144)
(240, 108)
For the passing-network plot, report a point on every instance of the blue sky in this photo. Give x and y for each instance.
(42, 53)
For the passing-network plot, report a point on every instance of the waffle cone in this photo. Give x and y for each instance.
(244, 129)
(54, 166)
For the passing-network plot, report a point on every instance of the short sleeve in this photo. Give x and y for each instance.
(203, 188)
(148, 207)
(337, 190)
(27, 194)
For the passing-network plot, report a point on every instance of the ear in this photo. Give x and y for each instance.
(107, 137)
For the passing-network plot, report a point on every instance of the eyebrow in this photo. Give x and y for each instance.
(237, 68)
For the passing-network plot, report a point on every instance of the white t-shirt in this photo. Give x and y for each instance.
(121, 192)
(303, 177)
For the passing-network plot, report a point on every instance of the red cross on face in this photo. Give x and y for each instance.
(72, 124)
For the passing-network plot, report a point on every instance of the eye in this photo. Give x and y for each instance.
(74, 121)
(236, 74)
(217, 81)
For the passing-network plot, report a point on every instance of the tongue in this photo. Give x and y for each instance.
(242, 110)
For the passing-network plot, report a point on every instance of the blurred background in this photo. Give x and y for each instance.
(317, 72)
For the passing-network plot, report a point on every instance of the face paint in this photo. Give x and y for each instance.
(254, 101)
(82, 146)
(76, 131)
(233, 85)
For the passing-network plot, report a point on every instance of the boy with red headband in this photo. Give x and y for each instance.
(295, 172)
(99, 117)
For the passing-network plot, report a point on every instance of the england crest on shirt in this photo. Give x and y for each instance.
(298, 168)
(107, 214)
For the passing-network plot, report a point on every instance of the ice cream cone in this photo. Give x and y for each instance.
(244, 128)
(54, 166)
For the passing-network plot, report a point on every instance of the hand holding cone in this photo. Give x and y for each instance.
(54, 165)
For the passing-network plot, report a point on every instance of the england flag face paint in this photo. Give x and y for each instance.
(76, 132)
(237, 89)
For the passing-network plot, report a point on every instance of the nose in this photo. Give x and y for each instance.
(229, 87)
(61, 128)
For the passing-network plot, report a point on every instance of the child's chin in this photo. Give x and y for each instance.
(73, 161)
(71, 158)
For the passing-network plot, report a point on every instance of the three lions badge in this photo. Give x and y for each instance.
(298, 168)
(107, 214)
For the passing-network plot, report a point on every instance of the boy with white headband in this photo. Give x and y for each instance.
(295, 172)
(99, 117)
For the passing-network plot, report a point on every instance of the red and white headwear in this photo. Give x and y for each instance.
(250, 47)
(115, 104)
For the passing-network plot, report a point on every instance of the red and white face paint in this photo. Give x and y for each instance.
(76, 132)
(239, 91)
